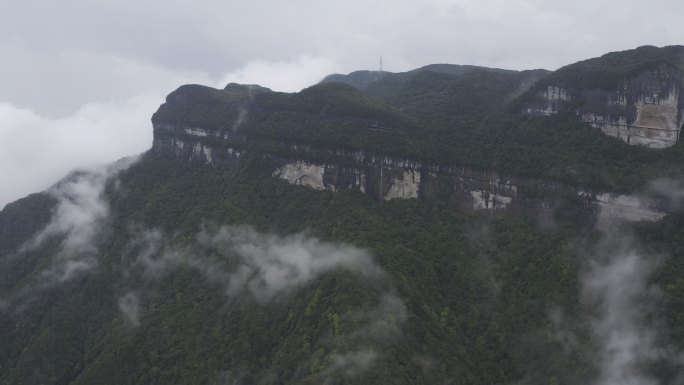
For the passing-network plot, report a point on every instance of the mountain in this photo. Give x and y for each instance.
(451, 224)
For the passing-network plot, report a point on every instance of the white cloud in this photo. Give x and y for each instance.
(622, 305)
(56, 84)
(78, 218)
(619, 290)
(287, 76)
(273, 264)
(35, 151)
(244, 260)
(129, 305)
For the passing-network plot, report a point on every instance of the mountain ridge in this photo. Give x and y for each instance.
(476, 118)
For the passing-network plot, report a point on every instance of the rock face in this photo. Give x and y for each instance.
(549, 102)
(644, 110)
(196, 144)
(388, 178)
(474, 190)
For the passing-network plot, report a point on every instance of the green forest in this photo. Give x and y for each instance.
(477, 291)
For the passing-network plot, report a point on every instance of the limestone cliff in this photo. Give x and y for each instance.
(387, 178)
(644, 107)
(645, 110)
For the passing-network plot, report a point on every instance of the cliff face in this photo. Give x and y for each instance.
(387, 178)
(196, 144)
(645, 110)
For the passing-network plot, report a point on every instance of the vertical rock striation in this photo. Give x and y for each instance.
(645, 110)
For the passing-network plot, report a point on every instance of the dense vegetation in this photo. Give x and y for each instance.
(606, 71)
(477, 292)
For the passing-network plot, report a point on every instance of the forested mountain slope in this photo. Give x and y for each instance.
(422, 228)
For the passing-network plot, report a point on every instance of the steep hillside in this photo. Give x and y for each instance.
(170, 288)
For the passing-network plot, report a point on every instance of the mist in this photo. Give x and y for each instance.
(669, 190)
(36, 151)
(349, 364)
(246, 261)
(129, 305)
(78, 219)
(621, 303)
(266, 267)
(384, 322)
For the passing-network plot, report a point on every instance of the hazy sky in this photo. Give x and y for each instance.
(79, 79)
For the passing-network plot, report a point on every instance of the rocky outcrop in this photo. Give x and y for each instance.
(197, 144)
(549, 101)
(644, 110)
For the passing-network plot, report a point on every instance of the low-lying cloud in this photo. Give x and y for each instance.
(78, 218)
(671, 190)
(349, 364)
(265, 266)
(129, 305)
(69, 245)
(271, 264)
(385, 320)
(244, 260)
(622, 305)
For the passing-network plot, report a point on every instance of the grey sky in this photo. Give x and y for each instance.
(80, 79)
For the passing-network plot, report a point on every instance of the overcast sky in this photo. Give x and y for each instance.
(80, 79)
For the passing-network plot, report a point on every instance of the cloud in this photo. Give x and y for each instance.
(561, 331)
(671, 190)
(385, 320)
(76, 79)
(153, 256)
(271, 264)
(265, 266)
(616, 288)
(68, 245)
(36, 152)
(288, 76)
(350, 364)
(78, 218)
(129, 305)
(212, 36)
(244, 260)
